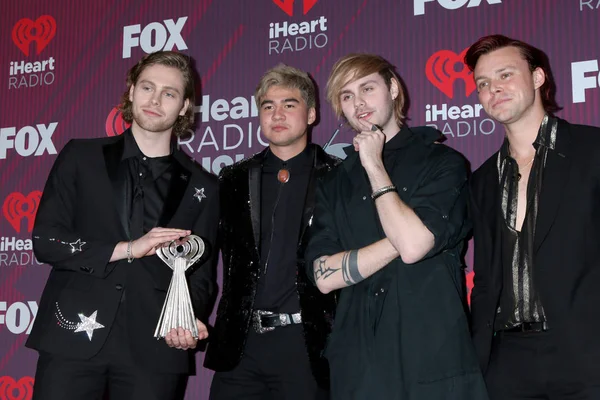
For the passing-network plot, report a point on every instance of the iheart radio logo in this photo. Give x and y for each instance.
(441, 70)
(115, 124)
(11, 389)
(288, 6)
(41, 31)
(16, 207)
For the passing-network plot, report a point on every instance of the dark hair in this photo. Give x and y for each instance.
(535, 57)
(167, 59)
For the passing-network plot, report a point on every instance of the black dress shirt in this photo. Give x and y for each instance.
(281, 215)
(405, 324)
(147, 183)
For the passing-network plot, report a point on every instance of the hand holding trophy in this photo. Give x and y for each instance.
(177, 310)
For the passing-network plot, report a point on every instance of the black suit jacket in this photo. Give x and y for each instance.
(566, 251)
(240, 229)
(81, 218)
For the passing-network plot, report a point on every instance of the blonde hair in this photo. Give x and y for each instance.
(288, 77)
(167, 59)
(358, 65)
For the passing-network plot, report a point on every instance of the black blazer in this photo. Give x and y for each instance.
(83, 204)
(566, 251)
(240, 229)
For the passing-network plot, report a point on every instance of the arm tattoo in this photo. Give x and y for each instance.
(350, 271)
(322, 270)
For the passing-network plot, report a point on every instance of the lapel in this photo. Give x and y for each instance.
(309, 201)
(556, 174)
(490, 197)
(254, 183)
(112, 158)
(486, 195)
(180, 179)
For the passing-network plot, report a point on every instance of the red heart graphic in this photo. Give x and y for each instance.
(41, 31)
(441, 73)
(288, 6)
(115, 124)
(16, 207)
(10, 389)
(308, 4)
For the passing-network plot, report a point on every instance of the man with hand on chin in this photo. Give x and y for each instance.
(389, 228)
(107, 205)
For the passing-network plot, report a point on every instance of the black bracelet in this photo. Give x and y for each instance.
(382, 191)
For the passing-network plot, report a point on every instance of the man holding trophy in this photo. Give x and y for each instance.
(109, 206)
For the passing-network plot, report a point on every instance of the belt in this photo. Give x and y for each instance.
(529, 327)
(266, 321)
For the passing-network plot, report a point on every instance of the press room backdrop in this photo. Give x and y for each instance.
(63, 66)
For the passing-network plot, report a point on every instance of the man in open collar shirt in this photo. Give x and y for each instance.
(534, 205)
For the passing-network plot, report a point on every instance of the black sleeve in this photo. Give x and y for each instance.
(323, 233)
(55, 239)
(441, 201)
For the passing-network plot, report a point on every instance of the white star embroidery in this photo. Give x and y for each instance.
(200, 194)
(88, 324)
(76, 246)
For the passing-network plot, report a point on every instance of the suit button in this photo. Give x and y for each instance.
(118, 286)
(488, 324)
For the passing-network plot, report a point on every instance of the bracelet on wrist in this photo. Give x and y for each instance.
(130, 256)
(380, 192)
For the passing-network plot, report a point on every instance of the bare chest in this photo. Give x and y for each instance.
(522, 199)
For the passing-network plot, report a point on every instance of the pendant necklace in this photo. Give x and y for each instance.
(283, 175)
(524, 166)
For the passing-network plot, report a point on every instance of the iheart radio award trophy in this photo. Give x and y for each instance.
(177, 310)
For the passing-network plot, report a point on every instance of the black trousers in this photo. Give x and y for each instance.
(111, 374)
(524, 366)
(274, 366)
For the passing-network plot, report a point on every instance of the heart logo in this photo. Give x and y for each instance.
(41, 31)
(441, 72)
(11, 389)
(16, 207)
(288, 6)
(189, 248)
(115, 124)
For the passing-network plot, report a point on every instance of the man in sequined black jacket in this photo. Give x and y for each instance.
(267, 203)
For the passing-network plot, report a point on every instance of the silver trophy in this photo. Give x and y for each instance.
(177, 310)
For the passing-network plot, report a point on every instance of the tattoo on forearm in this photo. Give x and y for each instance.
(350, 272)
(322, 270)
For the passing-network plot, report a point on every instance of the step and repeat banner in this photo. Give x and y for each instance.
(63, 66)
